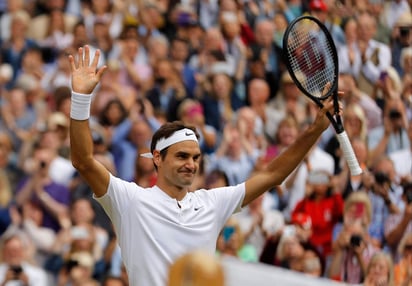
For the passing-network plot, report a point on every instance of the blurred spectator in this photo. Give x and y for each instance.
(258, 96)
(366, 59)
(28, 220)
(393, 10)
(8, 165)
(403, 268)
(388, 86)
(158, 48)
(401, 38)
(402, 159)
(353, 95)
(58, 75)
(290, 252)
(5, 19)
(102, 11)
(111, 88)
(191, 112)
(13, 49)
(168, 91)
(233, 45)
(231, 242)
(380, 270)
(392, 136)
(19, 118)
(293, 188)
(215, 179)
(220, 102)
(398, 226)
(113, 281)
(77, 270)
(289, 100)
(40, 188)
(319, 9)
(324, 208)
(234, 156)
(40, 24)
(285, 135)
(356, 127)
(251, 221)
(179, 55)
(57, 36)
(269, 51)
(15, 268)
(352, 246)
(135, 70)
(145, 172)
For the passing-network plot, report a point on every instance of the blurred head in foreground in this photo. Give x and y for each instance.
(196, 269)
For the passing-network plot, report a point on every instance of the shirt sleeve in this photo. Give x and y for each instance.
(228, 201)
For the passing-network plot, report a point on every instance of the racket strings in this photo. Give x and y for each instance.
(312, 58)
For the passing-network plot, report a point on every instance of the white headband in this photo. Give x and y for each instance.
(179, 136)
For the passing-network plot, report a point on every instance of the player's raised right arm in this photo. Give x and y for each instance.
(85, 76)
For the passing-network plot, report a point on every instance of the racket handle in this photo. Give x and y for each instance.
(348, 153)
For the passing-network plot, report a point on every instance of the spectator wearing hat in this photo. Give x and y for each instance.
(324, 208)
(320, 10)
(295, 184)
(401, 38)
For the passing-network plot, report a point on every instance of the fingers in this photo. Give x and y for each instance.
(72, 64)
(80, 57)
(86, 58)
(96, 59)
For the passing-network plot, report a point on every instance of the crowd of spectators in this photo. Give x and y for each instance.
(217, 65)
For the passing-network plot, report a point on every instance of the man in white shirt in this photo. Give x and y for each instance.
(156, 225)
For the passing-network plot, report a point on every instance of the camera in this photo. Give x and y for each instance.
(404, 31)
(381, 178)
(43, 164)
(355, 240)
(71, 264)
(407, 190)
(17, 269)
(395, 114)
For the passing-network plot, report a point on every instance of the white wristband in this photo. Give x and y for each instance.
(80, 106)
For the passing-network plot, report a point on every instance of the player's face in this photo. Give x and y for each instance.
(181, 163)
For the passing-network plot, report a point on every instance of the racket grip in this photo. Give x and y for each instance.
(348, 153)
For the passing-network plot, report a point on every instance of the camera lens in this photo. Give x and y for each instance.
(395, 114)
(355, 240)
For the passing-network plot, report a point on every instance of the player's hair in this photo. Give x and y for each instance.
(167, 130)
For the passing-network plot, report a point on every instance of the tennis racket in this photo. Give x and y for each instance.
(312, 62)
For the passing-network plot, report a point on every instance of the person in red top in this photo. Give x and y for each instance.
(324, 207)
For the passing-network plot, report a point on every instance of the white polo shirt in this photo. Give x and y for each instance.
(153, 231)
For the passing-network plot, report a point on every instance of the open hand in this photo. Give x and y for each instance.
(85, 75)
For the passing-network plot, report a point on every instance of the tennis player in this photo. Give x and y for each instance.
(156, 225)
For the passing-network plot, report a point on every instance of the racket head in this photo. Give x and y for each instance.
(311, 58)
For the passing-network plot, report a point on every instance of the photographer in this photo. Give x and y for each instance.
(352, 246)
(15, 270)
(401, 38)
(392, 136)
(399, 225)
